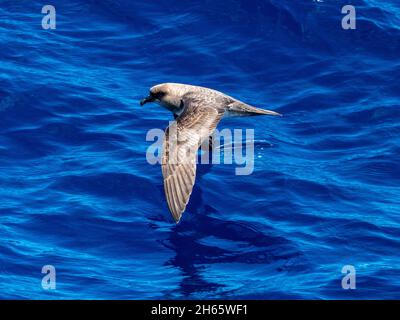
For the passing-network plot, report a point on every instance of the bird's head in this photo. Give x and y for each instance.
(169, 95)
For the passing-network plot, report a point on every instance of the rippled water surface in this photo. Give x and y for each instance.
(77, 192)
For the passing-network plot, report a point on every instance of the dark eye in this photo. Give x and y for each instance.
(159, 95)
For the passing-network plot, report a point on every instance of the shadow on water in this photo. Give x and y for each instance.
(202, 240)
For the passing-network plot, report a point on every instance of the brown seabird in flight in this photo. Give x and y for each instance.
(197, 111)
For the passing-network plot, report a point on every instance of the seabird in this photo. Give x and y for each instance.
(197, 112)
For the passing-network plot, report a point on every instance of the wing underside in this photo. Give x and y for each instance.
(181, 142)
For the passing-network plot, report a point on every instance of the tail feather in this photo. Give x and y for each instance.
(238, 108)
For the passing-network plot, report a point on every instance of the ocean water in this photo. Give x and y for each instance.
(77, 193)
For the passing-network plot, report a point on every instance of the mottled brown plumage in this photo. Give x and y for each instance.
(197, 111)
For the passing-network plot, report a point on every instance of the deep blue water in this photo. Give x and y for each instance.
(77, 192)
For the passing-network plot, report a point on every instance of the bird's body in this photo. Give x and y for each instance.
(197, 111)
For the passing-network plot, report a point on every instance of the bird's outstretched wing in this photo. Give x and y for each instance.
(181, 142)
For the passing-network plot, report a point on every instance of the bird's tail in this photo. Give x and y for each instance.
(240, 109)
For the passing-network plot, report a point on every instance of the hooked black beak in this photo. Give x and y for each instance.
(147, 99)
